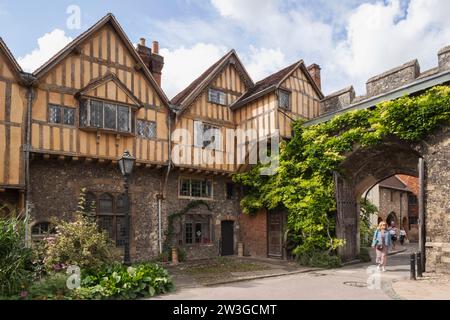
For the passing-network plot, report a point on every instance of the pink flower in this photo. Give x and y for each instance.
(24, 294)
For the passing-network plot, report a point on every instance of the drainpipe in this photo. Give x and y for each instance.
(28, 80)
(164, 186)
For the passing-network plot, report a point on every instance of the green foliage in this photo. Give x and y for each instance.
(365, 227)
(122, 282)
(51, 287)
(303, 183)
(79, 243)
(15, 257)
(319, 259)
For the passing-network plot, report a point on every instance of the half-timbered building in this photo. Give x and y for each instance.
(64, 127)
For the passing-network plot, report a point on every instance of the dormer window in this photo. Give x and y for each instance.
(104, 115)
(284, 99)
(217, 96)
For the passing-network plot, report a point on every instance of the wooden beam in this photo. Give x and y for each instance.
(61, 158)
(2, 190)
(88, 159)
(101, 161)
(148, 165)
(46, 156)
(75, 158)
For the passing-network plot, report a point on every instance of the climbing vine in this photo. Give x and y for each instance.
(303, 183)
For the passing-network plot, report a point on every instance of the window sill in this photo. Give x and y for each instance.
(199, 245)
(195, 198)
(107, 131)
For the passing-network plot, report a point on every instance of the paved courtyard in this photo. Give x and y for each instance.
(358, 281)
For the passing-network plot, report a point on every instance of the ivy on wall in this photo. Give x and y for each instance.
(303, 183)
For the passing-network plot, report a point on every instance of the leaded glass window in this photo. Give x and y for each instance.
(284, 99)
(146, 129)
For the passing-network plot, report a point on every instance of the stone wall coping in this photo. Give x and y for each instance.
(412, 63)
(338, 93)
(444, 50)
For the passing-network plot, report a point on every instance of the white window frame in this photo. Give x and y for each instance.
(222, 96)
(180, 181)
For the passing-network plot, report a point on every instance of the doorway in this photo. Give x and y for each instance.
(227, 228)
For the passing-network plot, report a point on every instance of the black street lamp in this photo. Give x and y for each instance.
(126, 164)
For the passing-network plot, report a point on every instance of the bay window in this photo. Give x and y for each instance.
(107, 116)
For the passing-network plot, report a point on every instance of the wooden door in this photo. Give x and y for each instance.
(275, 234)
(227, 228)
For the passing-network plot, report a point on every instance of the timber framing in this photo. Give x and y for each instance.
(74, 47)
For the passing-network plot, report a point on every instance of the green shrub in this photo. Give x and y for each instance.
(320, 259)
(78, 243)
(51, 287)
(122, 282)
(15, 257)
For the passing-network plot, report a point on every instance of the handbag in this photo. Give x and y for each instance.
(380, 246)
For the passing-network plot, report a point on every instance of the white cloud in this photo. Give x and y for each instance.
(48, 45)
(262, 61)
(378, 35)
(183, 65)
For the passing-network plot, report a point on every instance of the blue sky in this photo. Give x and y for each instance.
(351, 40)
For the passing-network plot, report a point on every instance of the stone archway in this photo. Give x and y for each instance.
(428, 160)
(363, 168)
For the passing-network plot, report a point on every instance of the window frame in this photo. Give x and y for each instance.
(219, 92)
(205, 222)
(62, 110)
(115, 214)
(42, 234)
(289, 95)
(181, 180)
(200, 143)
(147, 123)
(86, 111)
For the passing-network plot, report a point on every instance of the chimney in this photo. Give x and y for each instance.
(155, 47)
(153, 61)
(314, 71)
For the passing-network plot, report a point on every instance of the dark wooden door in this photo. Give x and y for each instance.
(275, 238)
(227, 238)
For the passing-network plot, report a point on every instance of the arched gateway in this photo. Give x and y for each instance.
(428, 160)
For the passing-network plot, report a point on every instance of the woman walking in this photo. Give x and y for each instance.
(381, 242)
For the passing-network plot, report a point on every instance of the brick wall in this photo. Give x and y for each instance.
(254, 234)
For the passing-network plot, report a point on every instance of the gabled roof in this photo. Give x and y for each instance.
(109, 18)
(95, 83)
(185, 97)
(394, 183)
(272, 83)
(10, 58)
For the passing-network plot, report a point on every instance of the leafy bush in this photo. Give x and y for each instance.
(320, 259)
(122, 282)
(78, 243)
(51, 287)
(15, 257)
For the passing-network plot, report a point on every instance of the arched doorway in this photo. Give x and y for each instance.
(392, 217)
(361, 170)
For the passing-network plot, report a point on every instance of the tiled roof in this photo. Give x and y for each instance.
(183, 94)
(272, 80)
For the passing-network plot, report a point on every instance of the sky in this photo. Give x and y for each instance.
(351, 40)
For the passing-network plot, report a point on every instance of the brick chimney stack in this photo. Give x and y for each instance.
(314, 71)
(152, 59)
